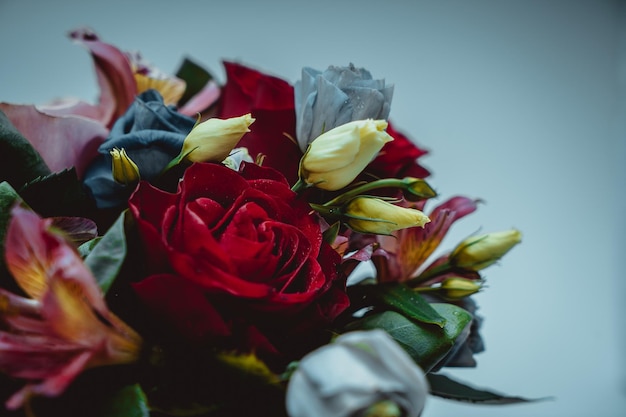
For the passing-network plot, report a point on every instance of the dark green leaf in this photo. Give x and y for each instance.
(195, 76)
(58, 194)
(410, 304)
(426, 344)
(20, 162)
(129, 401)
(8, 197)
(331, 233)
(445, 387)
(107, 257)
(86, 248)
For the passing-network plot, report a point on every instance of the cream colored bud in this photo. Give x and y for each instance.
(124, 170)
(478, 252)
(373, 215)
(212, 141)
(457, 288)
(336, 157)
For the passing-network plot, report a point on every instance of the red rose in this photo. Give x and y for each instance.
(271, 102)
(245, 241)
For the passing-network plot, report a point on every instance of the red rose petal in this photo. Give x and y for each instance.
(176, 301)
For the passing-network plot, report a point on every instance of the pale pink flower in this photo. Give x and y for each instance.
(65, 326)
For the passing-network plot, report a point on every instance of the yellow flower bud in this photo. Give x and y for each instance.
(124, 170)
(478, 252)
(212, 141)
(336, 157)
(457, 288)
(373, 215)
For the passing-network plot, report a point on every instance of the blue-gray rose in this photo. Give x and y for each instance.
(339, 95)
(152, 135)
(359, 374)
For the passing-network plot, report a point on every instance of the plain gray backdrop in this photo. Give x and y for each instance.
(521, 103)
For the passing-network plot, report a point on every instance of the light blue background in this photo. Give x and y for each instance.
(520, 102)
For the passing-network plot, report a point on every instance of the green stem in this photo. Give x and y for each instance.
(299, 186)
(428, 274)
(172, 164)
(384, 183)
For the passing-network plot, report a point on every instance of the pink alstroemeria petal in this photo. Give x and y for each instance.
(415, 246)
(53, 386)
(114, 73)
(68, 313)
(439, 277)
(34, 356)
(70, 106)
(35, 255)
(13, 305)
(77, 229)
(408, 249)
(204, 99)
(62, 141)
(26, 252)
(461, 206)
(67, 326)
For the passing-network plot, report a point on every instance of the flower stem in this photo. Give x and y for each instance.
(428, 274)
(404, 184)
(387, 182)
(299, 186)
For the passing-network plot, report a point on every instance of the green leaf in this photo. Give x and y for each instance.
(21, 163)
(106, 258)
(58, 194)
(330, 235)
(426, 344)
(445, 387)
(130, 401)
(8, 197)
(86, 248)
(410, 303)
(95, 393)
(195, 76)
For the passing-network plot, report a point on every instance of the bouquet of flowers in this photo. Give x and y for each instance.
(185, 248)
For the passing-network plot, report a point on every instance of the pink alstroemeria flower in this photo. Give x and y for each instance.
(65, 326)
(405, 252)
(123, 75)
(67, 132)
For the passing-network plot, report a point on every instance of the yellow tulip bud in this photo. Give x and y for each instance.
(478, 252)
(124, 170)
(373, 215)
(336, 157)
(457, 288)
(212, 141)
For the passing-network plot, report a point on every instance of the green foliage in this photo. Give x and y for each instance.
(425, 343)
(8, 197)
(445, 387)
(195, 76)
(107, 256)
(129, 401)
(411, 304)
(21, 163)
(58, 194)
